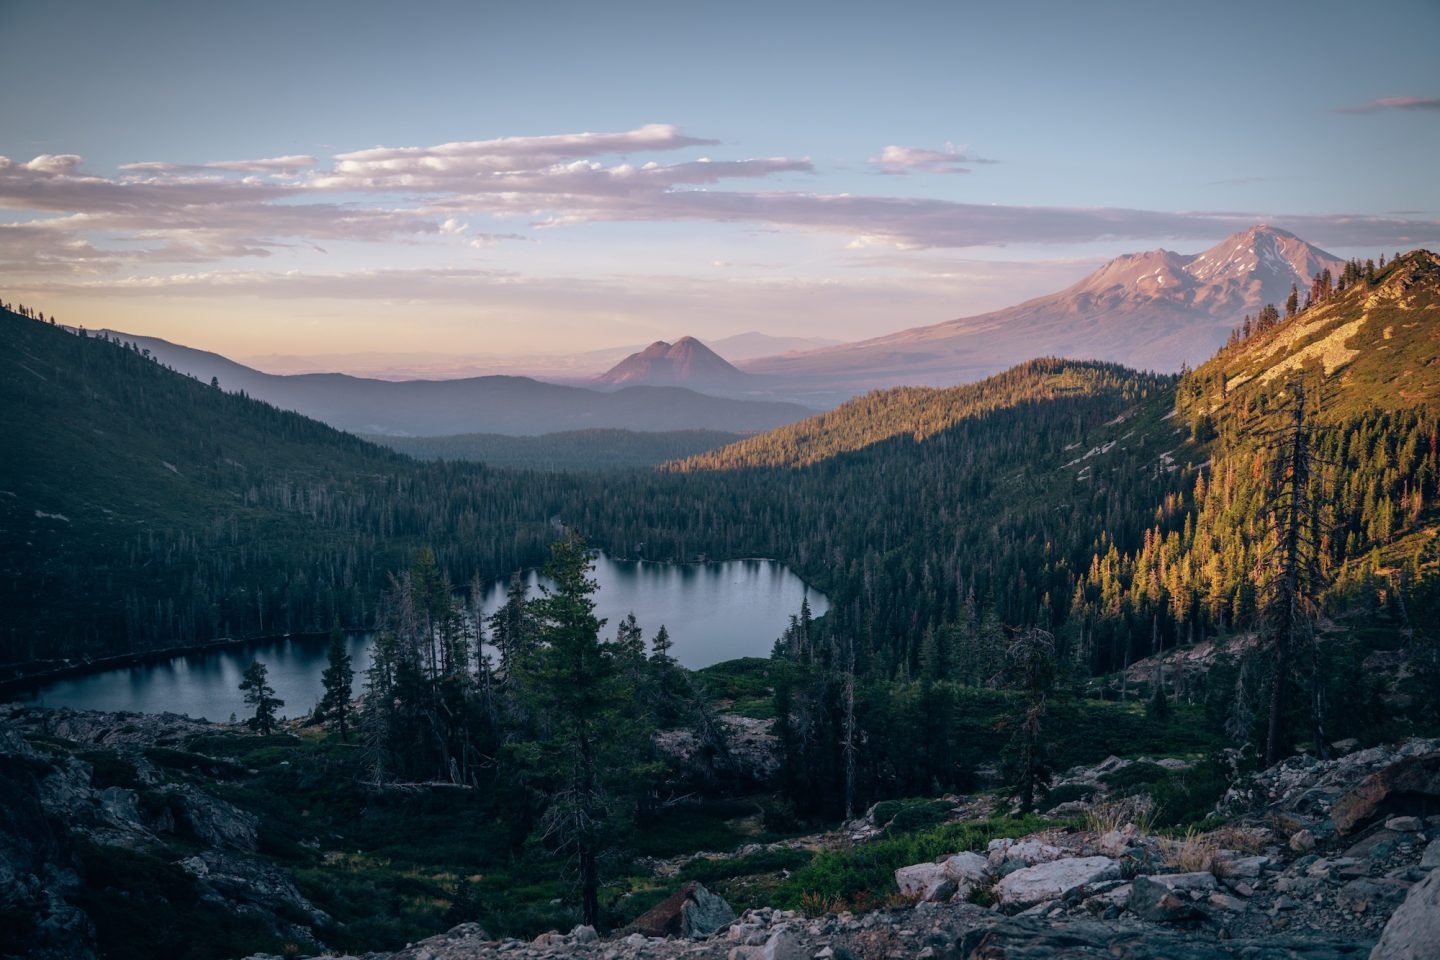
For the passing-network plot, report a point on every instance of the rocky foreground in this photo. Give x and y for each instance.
(1322, 860)
(1316, 859)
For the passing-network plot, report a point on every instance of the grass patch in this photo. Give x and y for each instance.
(863, 877)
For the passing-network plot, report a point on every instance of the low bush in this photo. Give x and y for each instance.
(864, 875)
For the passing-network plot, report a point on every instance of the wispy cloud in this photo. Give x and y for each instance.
(478, 192)
(1393, 103)
(896, 160)
(275, 165)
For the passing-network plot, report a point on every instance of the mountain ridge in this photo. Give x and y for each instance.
(503, 404)
(1152, 310)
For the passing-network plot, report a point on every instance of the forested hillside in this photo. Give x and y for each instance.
(1366, 357)
(569, 450)
(141, 508)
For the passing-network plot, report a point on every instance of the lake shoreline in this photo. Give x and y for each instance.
(70, 669)
(729, 609)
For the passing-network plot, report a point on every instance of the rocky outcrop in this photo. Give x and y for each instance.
(214, 822)
(1413, 932)
(1306, 788)
(52, 811)
(1413, 779)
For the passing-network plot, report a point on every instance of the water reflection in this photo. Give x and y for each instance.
(714, 612)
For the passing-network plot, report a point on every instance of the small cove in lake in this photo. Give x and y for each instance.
(714, 612)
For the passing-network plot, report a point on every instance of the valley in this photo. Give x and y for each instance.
(1114, 525)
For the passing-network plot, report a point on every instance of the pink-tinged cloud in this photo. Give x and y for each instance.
(162, 213)
(508, 153)
(275, 165)
(896, 160)
(1394, 103)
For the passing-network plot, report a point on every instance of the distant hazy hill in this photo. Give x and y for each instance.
(1155, 310)
(685, 363)
(573, 450)
(515, 406)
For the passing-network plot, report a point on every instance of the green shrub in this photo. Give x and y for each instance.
(864, 875)
(766, 861)
(910, 816)
(1136, 778)
(1068, 793)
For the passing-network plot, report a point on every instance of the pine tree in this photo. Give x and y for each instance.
(339, 676)
(260, 695)
(1031, 662)
(512, 627)
(586, 756)
(1294, 565)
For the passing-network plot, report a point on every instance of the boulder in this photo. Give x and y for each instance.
(1241, 868)
(1054, 879)
(1028, 852)
(970, 871)
(1172, 897)
(1413, 932)
(692, 911)
(925, 881)
(1117, 843)
(704, 913)
(1431, 858)
(1417, 777)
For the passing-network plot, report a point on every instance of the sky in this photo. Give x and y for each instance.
(315, 177)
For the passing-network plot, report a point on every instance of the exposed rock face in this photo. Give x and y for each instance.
(1413, 777)
(215, 822)
(1306, 788)
(742, 747)
(50, 808)
(1055, 879)
(33, 884)
(1413, 932)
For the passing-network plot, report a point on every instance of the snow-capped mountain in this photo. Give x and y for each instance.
(1155, 310)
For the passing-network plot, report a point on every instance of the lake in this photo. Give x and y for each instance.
(714, 612)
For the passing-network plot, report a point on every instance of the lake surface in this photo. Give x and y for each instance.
(714, 612)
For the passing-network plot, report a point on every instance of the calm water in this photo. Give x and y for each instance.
(714, 612)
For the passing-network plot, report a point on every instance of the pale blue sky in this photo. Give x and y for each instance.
(1181, 122)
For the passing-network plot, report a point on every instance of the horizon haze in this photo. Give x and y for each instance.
(237, 188)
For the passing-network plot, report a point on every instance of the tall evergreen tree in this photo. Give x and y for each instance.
(1294, 562)
(260, 695)
(585, 755)
(1030, 660)
(334, 708)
